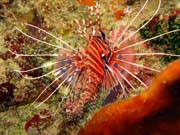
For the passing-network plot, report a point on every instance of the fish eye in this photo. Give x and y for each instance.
(103, 55)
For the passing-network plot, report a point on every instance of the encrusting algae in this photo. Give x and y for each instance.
(156, 111)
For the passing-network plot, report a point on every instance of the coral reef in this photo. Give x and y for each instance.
(156, 111)
(162, 23)
(38, 122)
(17, 116)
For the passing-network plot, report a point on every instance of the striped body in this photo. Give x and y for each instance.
(98, 66)
(91, 76)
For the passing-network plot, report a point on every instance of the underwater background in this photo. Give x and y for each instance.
(17, 115)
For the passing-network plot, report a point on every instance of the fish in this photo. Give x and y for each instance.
(102, 65)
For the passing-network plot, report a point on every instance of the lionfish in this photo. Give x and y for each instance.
(104, 64)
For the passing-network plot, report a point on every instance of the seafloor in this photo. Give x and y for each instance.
(57, 17)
